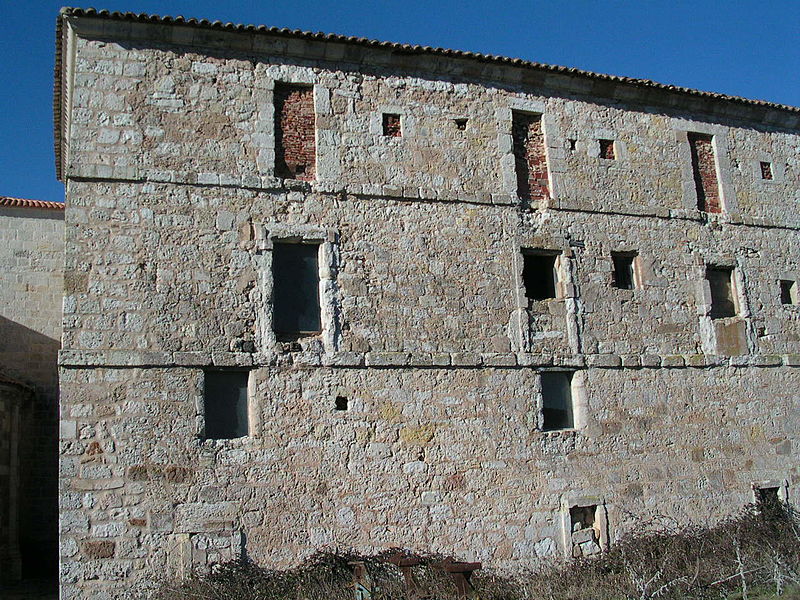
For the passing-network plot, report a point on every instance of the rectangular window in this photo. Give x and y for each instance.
(539, 275)
(788, 291)
(704, 170)
(295, 141)
(766, 170)
(584, 531)
(392, 125)
(624, 272)
(295, 272)
(225, 405)
(557, 410)
(530, 159)
(723, 303)
(607, 149)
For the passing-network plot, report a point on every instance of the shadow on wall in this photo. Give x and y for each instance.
(32, 358)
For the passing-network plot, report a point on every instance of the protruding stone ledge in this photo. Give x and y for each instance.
(456, 360)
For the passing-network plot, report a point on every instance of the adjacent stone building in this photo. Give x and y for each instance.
(31, 291)
(329, 291)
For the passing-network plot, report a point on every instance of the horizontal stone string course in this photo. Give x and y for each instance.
(446, 398)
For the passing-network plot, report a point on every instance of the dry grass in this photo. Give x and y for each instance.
(752, 556)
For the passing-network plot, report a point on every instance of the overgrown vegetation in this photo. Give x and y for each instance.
(751, 556)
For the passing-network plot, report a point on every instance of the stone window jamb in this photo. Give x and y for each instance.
(569, 501)
(555, 152)
(777, 167)
(328, 241)
(719, 141)
(325, 167)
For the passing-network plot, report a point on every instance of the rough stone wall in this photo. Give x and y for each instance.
(31, 292)
(427, 332)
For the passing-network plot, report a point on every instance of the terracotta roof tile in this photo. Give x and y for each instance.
(25, 203)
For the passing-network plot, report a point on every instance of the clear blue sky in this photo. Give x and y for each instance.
(747, 48)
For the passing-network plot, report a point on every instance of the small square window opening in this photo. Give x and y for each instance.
(584, 531)
(607, 149)
(624, 270)
(461, 124)
(789, 293)
(766, 170)
(557, 410)
(391, 125)
(341, 403)
(722, 293)
(225, 405)
(295, 271)
(539, 275)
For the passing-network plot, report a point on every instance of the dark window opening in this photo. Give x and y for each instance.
(539, 276)
(295, 272)
(768, 503)
(391, 125)
(624, 274)
(572, 145)
(557, 401)
(722, 301)
(461, 124)
(225, 405)
(340, 403)
(766, 170)
(607, 149)
(582, 517)
(788, 291)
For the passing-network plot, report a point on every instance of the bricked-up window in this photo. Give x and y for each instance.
(295, 271)
(225, 404)
(391, 125)
(607, 149)
(789, 293)
(704, 170)
(530, 159)
(557, 410)
(539, 274)
(723, 303)
(295, 143)
(624, 271)
(766, 170)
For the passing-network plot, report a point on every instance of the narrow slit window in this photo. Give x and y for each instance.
(766, 170)
(624, 270)
(295, 133)
(557, 410)
(225, 405)
(607, 149)
(539, 275)
(530, 156)
(704, 171)
(391, 125)
(295, 271)
(789, 291)
(723, 303)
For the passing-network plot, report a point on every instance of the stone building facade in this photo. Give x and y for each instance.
(31, 291)
(327, 291)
